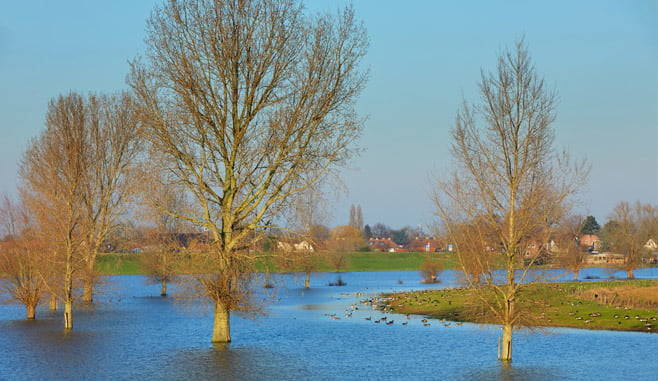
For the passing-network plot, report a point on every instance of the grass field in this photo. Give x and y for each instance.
(119, 264)
(128, 263)
(613, 305)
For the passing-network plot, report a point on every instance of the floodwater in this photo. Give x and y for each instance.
(132, 334)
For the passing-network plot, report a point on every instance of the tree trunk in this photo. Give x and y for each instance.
(163, 287)
(630, 274)
(53, 302)
(88, 292)
(68, 314)
(221, 330)
(68, 294)
(506, 344)
(307, 281)
(575, 274)
(31, 311)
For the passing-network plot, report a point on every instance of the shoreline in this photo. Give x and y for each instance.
(545, 306)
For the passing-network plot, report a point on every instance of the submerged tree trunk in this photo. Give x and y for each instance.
(53, 302)
(88, 292)
(68, 295)
(221, 330)
(163, 287)
(31, 311)
(575, 274)
(307, 281)
(630, 274)
(89, 280)
(506, 344)
(68, 314)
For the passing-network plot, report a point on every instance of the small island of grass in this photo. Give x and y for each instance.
(608, 305)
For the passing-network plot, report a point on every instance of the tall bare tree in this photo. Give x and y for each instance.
(76, 180)
(53, 173)
(634, 224)
(509, 181)
(113, 134)
(250, 102)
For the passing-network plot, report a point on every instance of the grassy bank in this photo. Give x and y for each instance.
(128, 263)
(613, 305)
(119, 264)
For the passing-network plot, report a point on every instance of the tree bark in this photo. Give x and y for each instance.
(68, 314)
(88, 292)
(53, 302)
(221, 330)
(506, 344)
(163, 288)
(31, 311)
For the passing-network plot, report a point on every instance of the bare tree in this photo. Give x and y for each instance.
(343, 240)
(634, 224)
(310, 211)
(509, 181)
(352, 221)
(22, 261)
(479, 248)
(53, 173)
(356, 217)
(161, 258)
(380, 230)
(113, 135)
(249, 102)
(570, 254)
(359, 218)
(430, 270)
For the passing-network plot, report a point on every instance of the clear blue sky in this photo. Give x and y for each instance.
(425, 56)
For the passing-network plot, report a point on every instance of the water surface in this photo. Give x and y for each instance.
(134, 334)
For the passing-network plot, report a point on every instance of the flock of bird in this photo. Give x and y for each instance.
(647, 321)
(374, 304)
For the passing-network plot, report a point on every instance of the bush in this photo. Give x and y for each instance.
(430, 271)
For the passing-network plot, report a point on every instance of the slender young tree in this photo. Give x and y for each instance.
(53, 173)
(359, 218)
(248, 102)
(352, 221)
(509, 181)
(113, 135)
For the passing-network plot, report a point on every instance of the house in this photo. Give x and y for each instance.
(605, 258)
(590, 241)
(383, 244)
(651, 245)
(303, 246)
(537, 253)
(426, 244)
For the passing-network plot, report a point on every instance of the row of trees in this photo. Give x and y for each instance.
(235, 108)
(75, 184)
